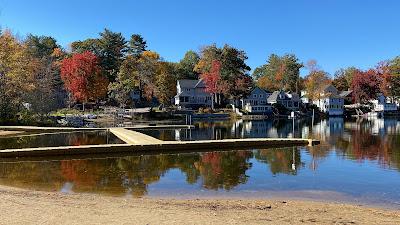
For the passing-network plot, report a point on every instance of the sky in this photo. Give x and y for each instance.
(336, 33)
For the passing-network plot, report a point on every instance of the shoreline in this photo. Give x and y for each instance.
(21, 206)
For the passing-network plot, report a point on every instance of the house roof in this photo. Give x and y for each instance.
(332, 95)
(275, 95)
(345, 93)
(191, 83)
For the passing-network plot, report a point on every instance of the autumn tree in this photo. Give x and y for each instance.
(16, 75)
(279, 73)
(83, 77)
(315, 80)
(390, 73)
(232, 68)
(343, 78)
(126, 82)
(165, 82)
(136, 73)
(49, 93)
(366, 85)
(110, 48)
(212, 80)
(148, 64)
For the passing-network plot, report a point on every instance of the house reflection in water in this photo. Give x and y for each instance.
(372, 142)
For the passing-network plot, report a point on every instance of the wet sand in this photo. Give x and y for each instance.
(19, 206)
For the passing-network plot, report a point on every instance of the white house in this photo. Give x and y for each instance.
(256, 101)
(290, 101)
(330, 102)
(347, 96)
(192, 94)
(382, 104)
(304, 97)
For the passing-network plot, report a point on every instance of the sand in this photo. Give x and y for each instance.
(19, 206)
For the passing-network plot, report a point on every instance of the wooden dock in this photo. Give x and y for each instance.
(137, 142)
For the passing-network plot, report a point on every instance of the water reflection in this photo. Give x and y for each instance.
(59, 139)
(132, 175)
(360, 158)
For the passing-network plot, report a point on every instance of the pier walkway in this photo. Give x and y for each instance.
(133, 137)
(137, 142)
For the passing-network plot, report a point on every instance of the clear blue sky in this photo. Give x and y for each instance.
(337, 33)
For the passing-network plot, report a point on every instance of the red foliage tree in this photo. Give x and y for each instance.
(366, 85)
(83, 77)
(212, 79)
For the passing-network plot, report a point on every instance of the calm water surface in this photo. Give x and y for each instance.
(35, 140)
(357, 161)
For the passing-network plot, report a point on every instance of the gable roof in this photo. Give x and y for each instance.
(275, 96)
(257, 89)
(186, 83)
(329, 86)
(345, 93)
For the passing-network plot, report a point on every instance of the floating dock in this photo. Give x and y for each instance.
(137, 142)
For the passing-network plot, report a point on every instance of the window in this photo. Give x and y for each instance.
(255, 96)
(261, 96)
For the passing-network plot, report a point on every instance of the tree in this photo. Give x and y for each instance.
(390, 72)
(136, 73)
(83, 77)
(92, 45)
(110, 48)
(16, 75)
(315, 80)
(137, 45)
(366, 85)
(113, 47)
(343, 78)
(126, 82)
(40, 46)
(165, 82)
(233, 66)
(279, 73)
(49, 93)
(185, 67)
(212, 80)
(148, 64)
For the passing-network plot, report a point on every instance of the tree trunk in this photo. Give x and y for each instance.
(212, 101)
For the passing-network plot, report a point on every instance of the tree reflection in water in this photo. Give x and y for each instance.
(357, 141)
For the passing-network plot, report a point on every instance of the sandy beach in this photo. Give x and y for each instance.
(19, 206)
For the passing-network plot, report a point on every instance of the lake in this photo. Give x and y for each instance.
(357, 161)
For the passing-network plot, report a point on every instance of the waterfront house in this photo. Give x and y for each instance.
(256, 101)
(192, 94)
(330, 102)
(289, 100)
(383, 104)
(304, 97)
(347, 96)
